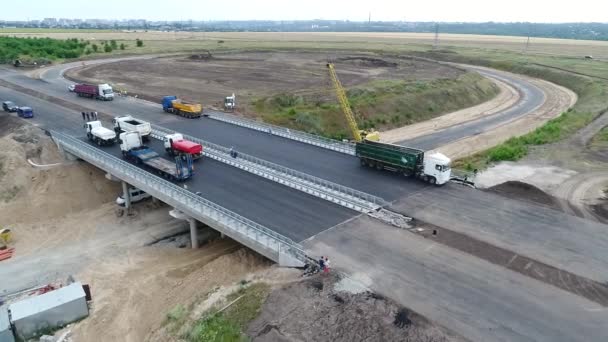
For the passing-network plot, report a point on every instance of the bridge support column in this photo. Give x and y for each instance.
(193, 233)
(193, 225)
(126, 195)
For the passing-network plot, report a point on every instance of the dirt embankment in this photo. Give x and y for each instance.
(28, 194)
(506, 98)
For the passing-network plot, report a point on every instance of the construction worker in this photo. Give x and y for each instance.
(83, 116)
(95, 115)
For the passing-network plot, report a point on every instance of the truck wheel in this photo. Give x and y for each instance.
(99, 142)
(425, 179)
(90, 136)
(379, 166)
(363, 162)
(432, 180)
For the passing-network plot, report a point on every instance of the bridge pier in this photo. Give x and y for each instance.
(193, 225)
(126, 195)
(193, 233)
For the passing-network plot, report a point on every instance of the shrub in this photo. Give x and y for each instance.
(95, 47)
(113, 44)
(107, 48)
(139, 42)
(122, 46)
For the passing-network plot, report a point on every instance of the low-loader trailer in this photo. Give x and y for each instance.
(134, 150)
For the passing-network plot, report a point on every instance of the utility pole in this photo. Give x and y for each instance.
(369, 18)
(528, 40)
(436, 42)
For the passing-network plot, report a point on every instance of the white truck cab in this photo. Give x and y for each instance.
(230, 102)
(172, 137)
(105, 92)
(129, 141)
(437, 165)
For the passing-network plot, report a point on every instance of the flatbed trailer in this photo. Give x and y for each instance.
(180, 169)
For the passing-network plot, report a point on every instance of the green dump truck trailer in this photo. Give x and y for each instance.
(431, 167)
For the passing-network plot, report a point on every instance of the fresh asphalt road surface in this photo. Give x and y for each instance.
(333, 166)
(253, 197)
(571, 243)
(532, 97)
(256, 198)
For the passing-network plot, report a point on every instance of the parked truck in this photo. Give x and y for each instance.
(98, 134)
(100, 91)
(230, 103)
(175, 145)
(171, 104)
(128, 123)
(134, 150)
(431, 167)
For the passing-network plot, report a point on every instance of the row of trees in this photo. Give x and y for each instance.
(12, 48)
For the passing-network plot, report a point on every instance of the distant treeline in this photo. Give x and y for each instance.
(591, 31)
(12, 48)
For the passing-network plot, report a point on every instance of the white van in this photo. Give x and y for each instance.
(136, 196)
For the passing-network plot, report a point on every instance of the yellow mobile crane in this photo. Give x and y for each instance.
(358, 134)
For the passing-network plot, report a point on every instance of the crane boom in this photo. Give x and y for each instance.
(350, 117)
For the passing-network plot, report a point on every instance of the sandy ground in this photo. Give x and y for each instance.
(507, 97)
(558, 100)
(254, 74)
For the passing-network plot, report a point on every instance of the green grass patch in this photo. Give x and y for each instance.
(517, 147)
(228, 325)
(381, 104)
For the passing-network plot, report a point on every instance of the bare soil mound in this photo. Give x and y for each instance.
(28, 194)
(311, 310)
(521, 190)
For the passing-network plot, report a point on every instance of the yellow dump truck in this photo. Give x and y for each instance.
(171, 104)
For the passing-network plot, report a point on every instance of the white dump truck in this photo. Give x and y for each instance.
(99, 134)
(128, 123)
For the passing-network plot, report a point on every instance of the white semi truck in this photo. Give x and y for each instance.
(128, 123)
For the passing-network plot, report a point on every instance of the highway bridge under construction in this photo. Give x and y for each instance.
(292, 196)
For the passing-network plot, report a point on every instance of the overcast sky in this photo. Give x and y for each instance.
(432, 10)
